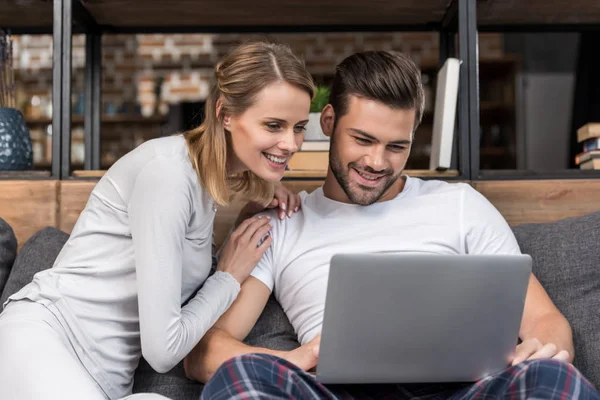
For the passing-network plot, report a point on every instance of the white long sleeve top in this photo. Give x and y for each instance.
(140, 249)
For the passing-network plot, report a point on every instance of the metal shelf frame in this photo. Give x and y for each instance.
(458, 26)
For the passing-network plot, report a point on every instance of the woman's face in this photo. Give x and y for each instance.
(269, 132)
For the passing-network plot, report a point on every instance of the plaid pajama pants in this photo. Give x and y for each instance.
(261, 376)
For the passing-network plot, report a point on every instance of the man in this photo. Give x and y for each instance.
(368, 204)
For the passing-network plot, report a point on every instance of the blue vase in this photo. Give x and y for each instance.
(16, 153)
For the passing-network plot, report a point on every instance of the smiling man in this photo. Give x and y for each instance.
(368, 204)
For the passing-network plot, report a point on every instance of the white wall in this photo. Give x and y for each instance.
(547, 104)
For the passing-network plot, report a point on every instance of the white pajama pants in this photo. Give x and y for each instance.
(37, 361)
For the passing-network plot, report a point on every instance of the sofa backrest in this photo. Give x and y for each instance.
(29, 206)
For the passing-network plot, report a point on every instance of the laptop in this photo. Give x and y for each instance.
(417, 318)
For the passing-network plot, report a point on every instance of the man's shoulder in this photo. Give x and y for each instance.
(436, 186)
(287, 225)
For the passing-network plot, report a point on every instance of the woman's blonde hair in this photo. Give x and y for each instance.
(240, 76)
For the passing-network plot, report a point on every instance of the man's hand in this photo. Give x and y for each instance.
(533, 349)
(306, 356)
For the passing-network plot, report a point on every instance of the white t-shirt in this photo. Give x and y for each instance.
(140, 249)
(426, 217)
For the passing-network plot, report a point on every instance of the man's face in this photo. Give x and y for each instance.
(369, 148)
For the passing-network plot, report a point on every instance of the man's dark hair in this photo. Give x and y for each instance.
(390, 78)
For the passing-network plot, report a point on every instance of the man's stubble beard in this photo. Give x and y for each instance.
(367, 195)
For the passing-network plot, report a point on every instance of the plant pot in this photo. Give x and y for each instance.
(313, 128)
(16, 153)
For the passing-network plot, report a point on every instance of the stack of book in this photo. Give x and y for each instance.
(589, 136)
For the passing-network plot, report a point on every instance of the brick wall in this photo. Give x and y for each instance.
(134, 65)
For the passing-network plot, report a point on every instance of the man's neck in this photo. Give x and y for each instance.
(333, 191)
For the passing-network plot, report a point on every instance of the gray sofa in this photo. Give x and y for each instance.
(566, 258)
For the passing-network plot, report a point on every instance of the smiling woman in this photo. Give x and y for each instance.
(134, 279)
(268, 133)
(258, 107)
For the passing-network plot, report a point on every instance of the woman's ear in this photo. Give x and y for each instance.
(219, 109)
(327, 120)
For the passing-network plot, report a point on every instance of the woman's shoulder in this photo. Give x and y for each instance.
(163, 161)
(166, 152)
(174, 147)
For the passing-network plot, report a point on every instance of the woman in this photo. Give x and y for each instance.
(142, 246)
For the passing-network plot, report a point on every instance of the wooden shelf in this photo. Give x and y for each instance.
(106, 119)
(29, 174)
(537, 12)
(315, 174)
(298, 13)
(26, 14)
(153, 15)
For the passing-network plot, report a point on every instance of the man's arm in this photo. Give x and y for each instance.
(224, 340)
(545, 332)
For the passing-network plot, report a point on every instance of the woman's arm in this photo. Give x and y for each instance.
(159, 211)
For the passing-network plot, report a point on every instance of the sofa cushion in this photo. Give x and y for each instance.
(566, 261)
(8, 251)
(173, 384)
(37, 254)
(273, 329)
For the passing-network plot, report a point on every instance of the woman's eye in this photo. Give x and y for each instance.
(299, 129)
(273, 126)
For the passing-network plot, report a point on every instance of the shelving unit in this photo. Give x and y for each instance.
(111, 126)
(106, 119)
(457, 21)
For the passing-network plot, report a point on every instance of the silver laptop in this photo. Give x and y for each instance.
(414, 318)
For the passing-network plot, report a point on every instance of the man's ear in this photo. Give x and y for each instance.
(327, 120)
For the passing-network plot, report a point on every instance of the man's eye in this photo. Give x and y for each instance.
(363, 141)
(397, 148)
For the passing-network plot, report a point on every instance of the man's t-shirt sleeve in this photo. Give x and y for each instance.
(265, 270)
(484, 229)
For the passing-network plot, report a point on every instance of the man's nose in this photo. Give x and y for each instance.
(376, 158)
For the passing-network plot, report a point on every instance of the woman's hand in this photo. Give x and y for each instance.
(287, 201)
(245, 247)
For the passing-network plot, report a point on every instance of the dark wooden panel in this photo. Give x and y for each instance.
(542, 201)
(494, 12)
(26, 13)
(132, 13)
(28, 206)
(73, 196)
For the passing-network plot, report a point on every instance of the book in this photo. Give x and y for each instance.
(309, 160)
(315, 145)
(444, 115)
(592, 163)
(591, 144)
(585, 156)
(588, 131)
